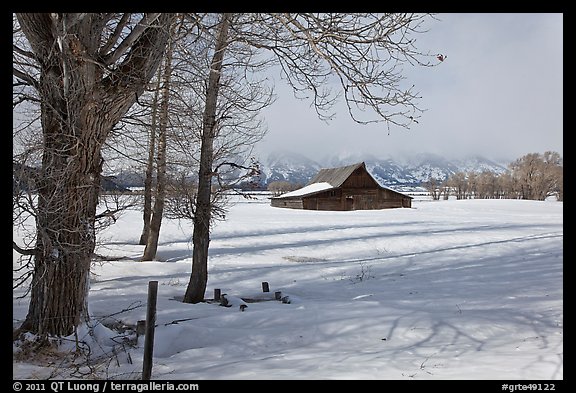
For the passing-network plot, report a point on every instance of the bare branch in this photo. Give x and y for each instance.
(25, 77)
(231, 164)
(114, 37)
(22, 98)
(27, 251)
(126, 44)
(23, 52)
(363, 52)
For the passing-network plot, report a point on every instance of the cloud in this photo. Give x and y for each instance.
(498, 94)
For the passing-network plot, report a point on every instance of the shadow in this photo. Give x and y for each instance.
(337, 237)
(494, 292)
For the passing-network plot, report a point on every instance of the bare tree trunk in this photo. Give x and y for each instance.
(65, 228)
(160, 195)
(79, 108)
(201, 235)
(150, 168)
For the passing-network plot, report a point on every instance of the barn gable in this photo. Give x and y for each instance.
(345, 188)
(335, 176)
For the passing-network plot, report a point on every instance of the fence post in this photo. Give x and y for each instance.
(150, 324)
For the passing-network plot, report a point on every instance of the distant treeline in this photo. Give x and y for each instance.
(534, 176)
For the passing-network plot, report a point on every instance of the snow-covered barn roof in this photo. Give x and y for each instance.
(308, 190)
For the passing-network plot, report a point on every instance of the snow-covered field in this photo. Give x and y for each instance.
(468, 289)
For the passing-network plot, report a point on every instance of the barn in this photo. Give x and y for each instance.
(344, 188)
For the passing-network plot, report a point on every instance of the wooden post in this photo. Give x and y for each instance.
(140, 328)
(150, 324)
(265, 287)
(217, 294)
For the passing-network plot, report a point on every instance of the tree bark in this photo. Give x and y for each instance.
(160, 196)
(150, 169)
(79, 107)
(201, 234)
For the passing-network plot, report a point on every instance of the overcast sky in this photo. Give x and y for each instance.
(498, 94)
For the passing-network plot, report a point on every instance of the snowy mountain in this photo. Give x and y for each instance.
(287, 166)
(406, 171)
(396, 172)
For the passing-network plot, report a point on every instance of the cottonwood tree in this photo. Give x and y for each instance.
(487, 185)
(90, 69)
(231, 101)
(362, 54)
(558, 187)
(538, 176)
(202, 214)
(445, 190)
(155, 191)
(152, 213)
(506, 185)
(281, 187)
(133, 144)
(180, 126)
(148, 176)
(162, 113)
(433, 187)
(533, 176)
(458, 184)
(471, 184)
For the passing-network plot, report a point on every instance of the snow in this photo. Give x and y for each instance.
(456, 289)
(310, 189)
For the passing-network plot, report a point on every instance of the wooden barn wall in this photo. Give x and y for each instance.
(356, 199)
(390, 199)
(328, 200)
(290, 203)
(360, 179)
(350, 198)
(406, 202)
(328, 203)
(368, 199)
